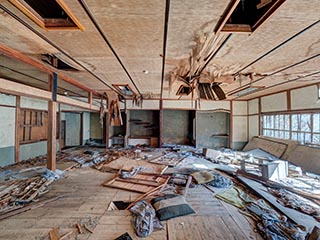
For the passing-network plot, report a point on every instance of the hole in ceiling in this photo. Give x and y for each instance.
(247, 15)
(56, 62)
(125, 89)
(184, 90)
(48, 14)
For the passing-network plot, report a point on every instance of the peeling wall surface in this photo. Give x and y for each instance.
(95, 127)
(208, 126)
(177, 127)
(146, 116)
(7, 135)
(73, 123)
(34, 103)
(86, 127)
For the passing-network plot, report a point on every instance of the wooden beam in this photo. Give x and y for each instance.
(231, 125)
(259, 118)
(107, 125)
(10, 87)
(17, 129)
(288, 100)
(12, 53)
(90, 98)
(52, 129)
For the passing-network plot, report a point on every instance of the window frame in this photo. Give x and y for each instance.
(40, 21)
(291, 130)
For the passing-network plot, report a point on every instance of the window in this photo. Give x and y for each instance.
(247, 15)
(49, 14)
(34, 125)
(303, 127)
(125, 89)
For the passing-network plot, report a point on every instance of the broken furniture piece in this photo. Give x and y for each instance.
(270, 169)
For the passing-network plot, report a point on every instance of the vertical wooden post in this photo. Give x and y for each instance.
(60, 126)
(259, 116)
(90, 98)
(17, 129)
(288, 100)
(107, 125)
(52, 122)
(231, 125)
(160, 123)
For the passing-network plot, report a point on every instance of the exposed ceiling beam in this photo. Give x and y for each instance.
(59, 49)
(12, 53)
(281, 83)
(271, 74)
(164, 48)
(95, 23)
(278, 46)
(10, 87)
(37, 79)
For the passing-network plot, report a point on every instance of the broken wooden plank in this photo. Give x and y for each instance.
(54, 234)
(296, 216)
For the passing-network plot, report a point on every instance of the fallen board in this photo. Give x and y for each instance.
(127, 164)
(300, 218)
(141, 183)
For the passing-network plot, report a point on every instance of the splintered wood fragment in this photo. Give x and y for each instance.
(79, 228)
(66, 235)
(263, 3)
(54, 234)
(86, 227)
(187, 185)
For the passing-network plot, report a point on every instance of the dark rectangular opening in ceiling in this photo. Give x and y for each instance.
(184, 90)
(125, 89)
(49, 14)
(56, 62)
(247, 15)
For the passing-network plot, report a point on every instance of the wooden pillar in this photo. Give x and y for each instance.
(90, 98)
(52, 123)
(52, 128)
(160, 124)
(259, 117)
(107, 125)
(17, 129)
(231, 125)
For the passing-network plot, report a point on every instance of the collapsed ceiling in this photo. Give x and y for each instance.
(155, 47)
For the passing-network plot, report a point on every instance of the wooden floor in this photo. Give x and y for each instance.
(83, 199)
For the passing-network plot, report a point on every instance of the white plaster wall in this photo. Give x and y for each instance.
(64, 107)
(253, 106)
(9, 100)
(305, 98)
(34, 149)
(213, 105)
(253, 126)
(179, 104)
(240, 129)
(275, 102)
(33, 103)
(146, 104)
(239, 108)
(7, 126)
(86, 126)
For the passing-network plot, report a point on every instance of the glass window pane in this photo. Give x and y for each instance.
(306, 122)
(271, 121)
(316, 138)
(294, 120)
(316, 122)
(277, 121)
(307, 138)
(301, 137)
(287, 122)
(294, 136)
(286, 135)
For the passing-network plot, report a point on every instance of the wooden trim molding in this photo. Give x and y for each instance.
(17, 129)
